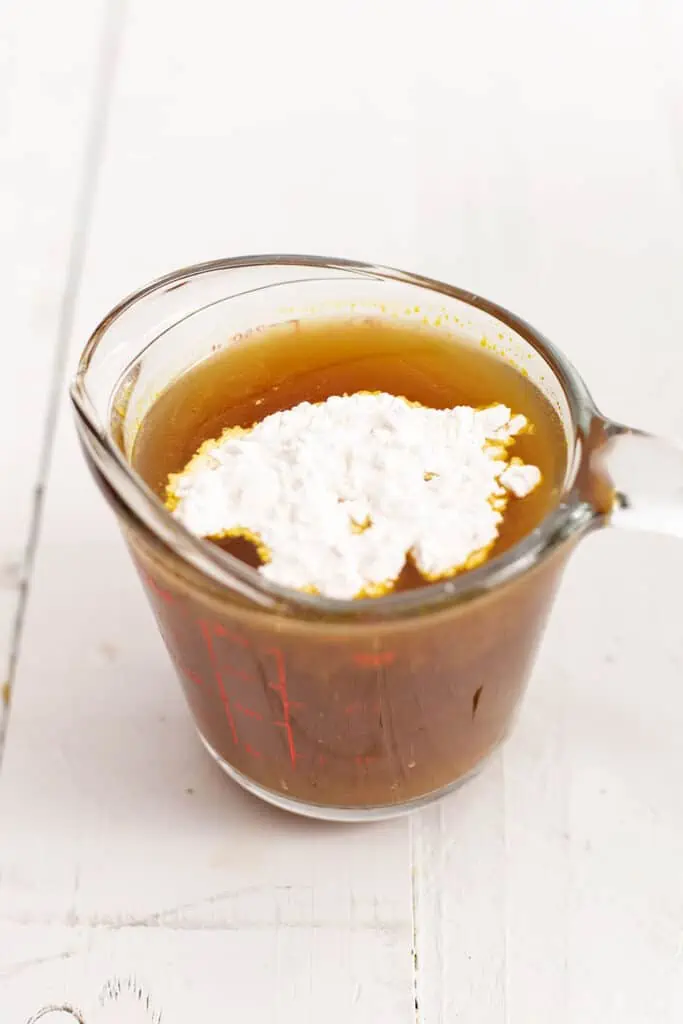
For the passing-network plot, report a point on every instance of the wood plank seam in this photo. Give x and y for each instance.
(110, 50)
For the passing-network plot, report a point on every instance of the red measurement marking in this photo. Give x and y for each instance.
(244, 677)
(167, 626)
(158, 591)
(189, 674)
(374, 659)
(217, 630)
(281, 688)
(205, 629)
(365, 759)
(249, 712)
(250, 750)
(234, 638)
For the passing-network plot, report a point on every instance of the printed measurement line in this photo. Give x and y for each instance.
(374, 659)
(206, 632)
(230, 670)
(167, 625)
(365, 760)
(281, 688)
(164, 595)
(216, 637)
(249, 712)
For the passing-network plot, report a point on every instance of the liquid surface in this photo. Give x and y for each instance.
(309, 361)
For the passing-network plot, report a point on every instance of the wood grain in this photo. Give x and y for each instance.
(53, 86)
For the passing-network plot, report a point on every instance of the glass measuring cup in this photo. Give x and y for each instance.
(342, 709)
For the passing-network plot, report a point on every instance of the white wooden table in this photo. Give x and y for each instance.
(530, 150)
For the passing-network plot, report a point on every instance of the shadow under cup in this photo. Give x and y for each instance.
(335, 709)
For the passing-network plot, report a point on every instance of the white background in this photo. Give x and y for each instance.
(531, 150)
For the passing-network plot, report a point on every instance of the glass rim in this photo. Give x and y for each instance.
(569, 516)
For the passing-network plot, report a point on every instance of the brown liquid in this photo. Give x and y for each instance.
(310, 361)
(348, 712)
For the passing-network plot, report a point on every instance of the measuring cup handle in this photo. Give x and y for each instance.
(646, 474)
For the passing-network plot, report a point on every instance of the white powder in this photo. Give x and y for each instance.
(519, 479)
(338, 494)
